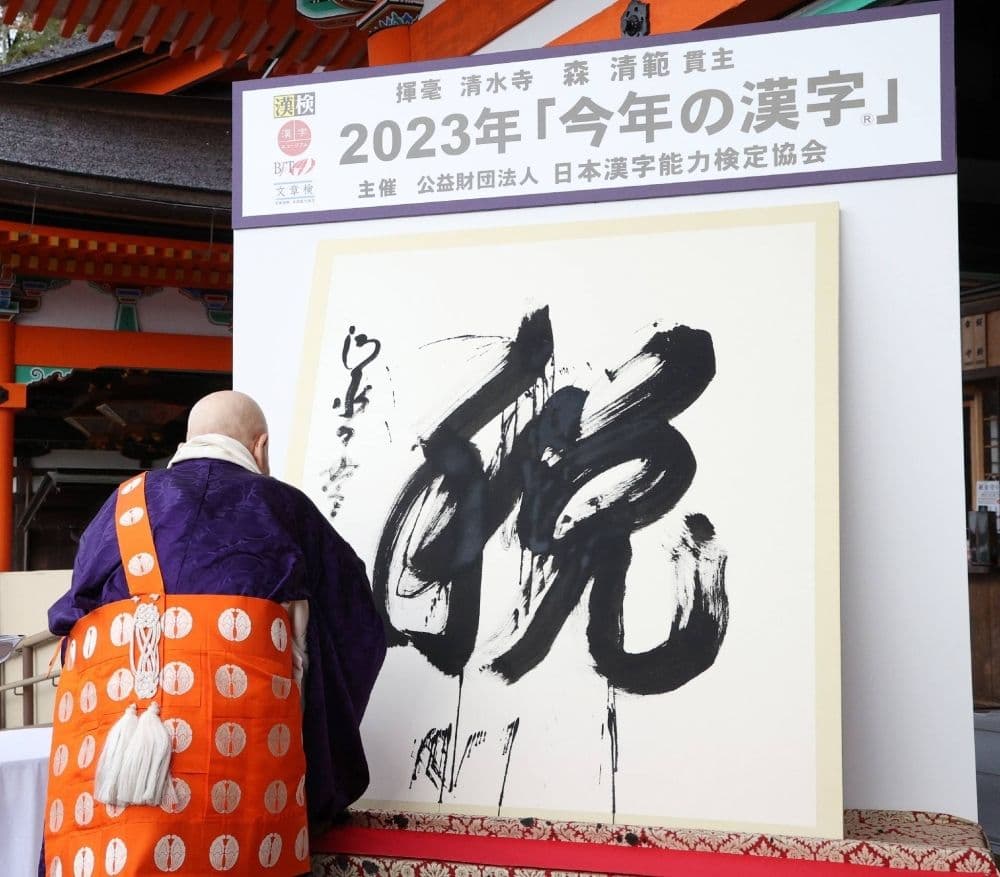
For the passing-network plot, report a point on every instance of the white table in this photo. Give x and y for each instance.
(24, 758)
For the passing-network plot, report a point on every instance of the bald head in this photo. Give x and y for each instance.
(233, 414)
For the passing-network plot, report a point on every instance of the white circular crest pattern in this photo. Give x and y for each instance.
(88, 749)
(55, 869)
(235, 625)
(60, 757)
(115, 856)
(176, 622)
(302, 844)
(169, 853)
(131, 516)
(231, 681)
(89, 642)
(121, 629)
(226, 796)
(120, 684)
(300, 792)
(281, 687)
(270, 850)
(275, 797)
(88, 697)
(178, 678)
(180, 733)
(279, 739)
(230, 739)
(129, 486)
(65, 710)
(56, 815)
(141, 564)
(279, 634)
(224, 852)
(70, 662)
(83, 812)
(83, 862)
(114, 810)
(176, 796)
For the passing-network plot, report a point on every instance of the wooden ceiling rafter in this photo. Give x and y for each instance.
(329, 46)
(157, 30)
(130, 25)
(42, 13)
(194, 20)
(72, 16)
(289, 59)
(102, 18)
(241, 41)
(213, 36)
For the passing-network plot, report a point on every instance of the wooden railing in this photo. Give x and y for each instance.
(24, 687)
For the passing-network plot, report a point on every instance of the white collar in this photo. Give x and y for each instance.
(214, 446)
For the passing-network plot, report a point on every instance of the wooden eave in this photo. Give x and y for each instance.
(266, 33)
(129, 259)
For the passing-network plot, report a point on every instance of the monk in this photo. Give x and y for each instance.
(221, 645)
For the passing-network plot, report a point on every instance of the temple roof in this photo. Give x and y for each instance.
(74, 48)
(101, 160)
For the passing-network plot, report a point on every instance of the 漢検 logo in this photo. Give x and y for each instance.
(288, 106)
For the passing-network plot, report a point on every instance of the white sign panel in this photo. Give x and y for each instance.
(404, 331)
(725, 109)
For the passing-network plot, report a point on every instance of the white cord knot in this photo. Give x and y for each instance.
(145, 641)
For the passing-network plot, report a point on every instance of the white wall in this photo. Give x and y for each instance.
(82, 305)
(25, 598)
(908, 739)
(551, 21)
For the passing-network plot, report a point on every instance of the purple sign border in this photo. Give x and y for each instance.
(946, 165)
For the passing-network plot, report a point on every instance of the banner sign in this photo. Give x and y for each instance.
(774, 105)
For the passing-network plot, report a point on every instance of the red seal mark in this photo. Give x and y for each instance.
(294, 137)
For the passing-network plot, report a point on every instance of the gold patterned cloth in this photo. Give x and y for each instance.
(900, 840)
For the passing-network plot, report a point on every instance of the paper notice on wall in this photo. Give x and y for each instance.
(988, 498)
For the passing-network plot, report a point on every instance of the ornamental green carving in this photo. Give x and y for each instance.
(327, 9)
(32, 374)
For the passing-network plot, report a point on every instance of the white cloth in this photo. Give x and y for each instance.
(214, 446)
(24, 770)
(298, 611)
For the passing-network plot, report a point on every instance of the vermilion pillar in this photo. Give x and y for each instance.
(391, 45)
(387, 25)
(6, 449)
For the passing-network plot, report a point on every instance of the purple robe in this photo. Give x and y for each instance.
(220, 529)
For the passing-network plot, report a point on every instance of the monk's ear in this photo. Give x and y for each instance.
(259, 452)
